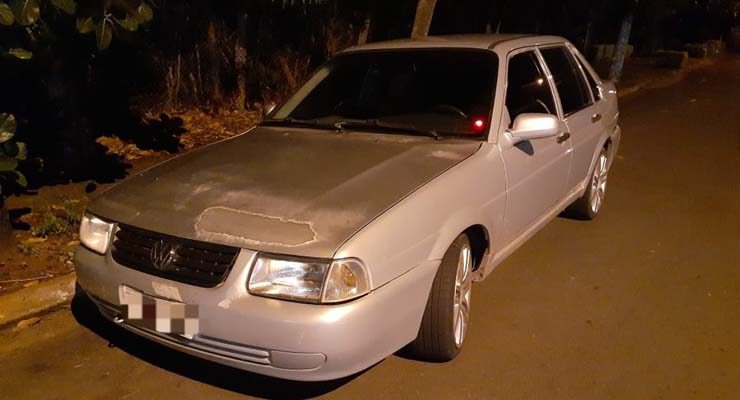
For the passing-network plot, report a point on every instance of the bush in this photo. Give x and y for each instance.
(61, 220)
(11, 152)
(697, 50)
(672, 59)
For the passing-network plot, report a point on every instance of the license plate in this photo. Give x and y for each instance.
(157, 314)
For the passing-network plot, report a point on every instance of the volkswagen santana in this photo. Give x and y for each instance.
(354, 220)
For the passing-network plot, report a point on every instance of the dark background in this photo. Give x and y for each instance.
(213, 55)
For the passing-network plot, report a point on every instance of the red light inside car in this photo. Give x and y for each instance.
(479, 124)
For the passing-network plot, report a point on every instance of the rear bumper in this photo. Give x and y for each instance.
(272, 337)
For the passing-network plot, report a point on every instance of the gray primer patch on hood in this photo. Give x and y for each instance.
(241, 228)
(292, 191)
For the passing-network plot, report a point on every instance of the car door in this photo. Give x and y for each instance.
(536, 170)
(581, 113)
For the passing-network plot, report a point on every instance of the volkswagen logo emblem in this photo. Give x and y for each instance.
(162, 255)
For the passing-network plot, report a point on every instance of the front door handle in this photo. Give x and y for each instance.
(564, 137)
(596, 118)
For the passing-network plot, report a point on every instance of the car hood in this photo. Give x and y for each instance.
(291, 191)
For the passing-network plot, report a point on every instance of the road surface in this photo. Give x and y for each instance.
(643, 303)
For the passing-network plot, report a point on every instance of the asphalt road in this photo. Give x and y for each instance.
(643, 303)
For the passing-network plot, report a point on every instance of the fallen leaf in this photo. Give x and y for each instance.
(34, 240)
(28, 322)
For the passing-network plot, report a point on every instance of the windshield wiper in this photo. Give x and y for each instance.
(386, 126)
(296, 122)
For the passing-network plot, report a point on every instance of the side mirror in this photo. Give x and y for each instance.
(535, 126)
(268, 109)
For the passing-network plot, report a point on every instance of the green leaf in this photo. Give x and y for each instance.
(68, 6)
(104, 34)
(20, 179)
(8, 164)
(129, 24)
(9, 149)
(144, 13)
(7, 127)
(85, 25)
(26, 11)
(22, 54)
(6, 15)
(22, 151)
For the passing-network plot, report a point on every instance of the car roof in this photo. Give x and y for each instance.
(503, 42)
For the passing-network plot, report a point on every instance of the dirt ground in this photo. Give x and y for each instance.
(45, 234)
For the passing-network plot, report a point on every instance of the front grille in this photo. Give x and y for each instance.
(182, 260)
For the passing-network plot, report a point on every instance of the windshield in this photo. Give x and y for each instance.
(445, 92)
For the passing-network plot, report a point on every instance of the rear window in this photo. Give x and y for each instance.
(572, 88)
(592, 83)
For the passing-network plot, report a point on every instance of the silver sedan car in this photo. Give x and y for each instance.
(354, 220)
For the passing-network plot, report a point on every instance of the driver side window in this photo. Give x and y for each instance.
(528, 90)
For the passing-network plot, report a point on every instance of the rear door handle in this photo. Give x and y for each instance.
(596, 118)
(564, 137)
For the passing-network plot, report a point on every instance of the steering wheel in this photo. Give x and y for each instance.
(450, 109)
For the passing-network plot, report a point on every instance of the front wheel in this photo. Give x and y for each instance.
(447, 313)
(589, 205)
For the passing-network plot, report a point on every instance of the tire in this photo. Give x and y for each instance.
(587, 207)
(447, 314)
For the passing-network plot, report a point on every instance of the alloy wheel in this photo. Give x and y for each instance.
(463, 289)
(598, 183)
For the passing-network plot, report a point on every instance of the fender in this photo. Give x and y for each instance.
(456, 224)
(422, 226)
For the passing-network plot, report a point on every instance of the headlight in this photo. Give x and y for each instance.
(95, 233)
(307, 280)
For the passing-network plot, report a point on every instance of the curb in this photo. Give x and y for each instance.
(630, 90)
(38, 299)
(672, 77)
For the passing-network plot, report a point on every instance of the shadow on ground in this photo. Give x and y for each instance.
(228, 378)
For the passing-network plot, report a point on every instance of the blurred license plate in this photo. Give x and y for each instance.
(157, 314)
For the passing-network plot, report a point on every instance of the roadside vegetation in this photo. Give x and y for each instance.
(95, 90)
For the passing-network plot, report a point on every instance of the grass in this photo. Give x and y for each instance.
(61, 220)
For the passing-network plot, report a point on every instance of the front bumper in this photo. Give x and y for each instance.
(273, 337)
